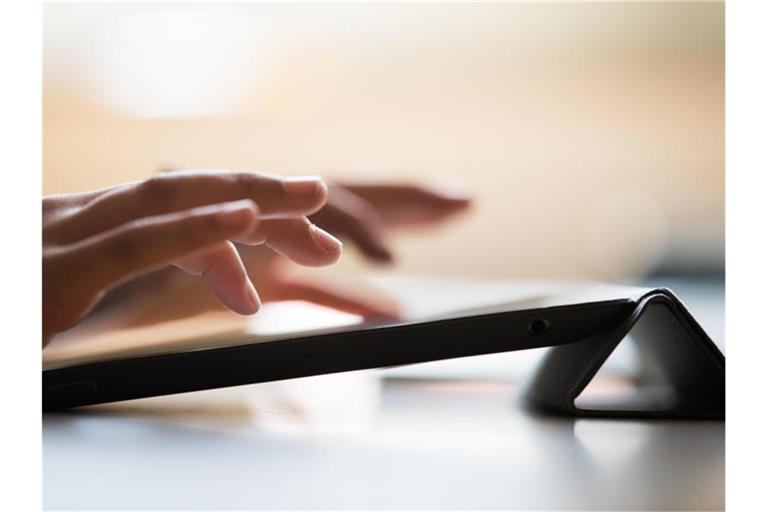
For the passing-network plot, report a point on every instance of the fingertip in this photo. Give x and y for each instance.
(244, 302)
(458, 204)
(329, 244)
(386, 313)
(322, 191)
(455, 200)
(250, 204)
(252, 301)
(310, 189)
(238, 216)
(379, 254)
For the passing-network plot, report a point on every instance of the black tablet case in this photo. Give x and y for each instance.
(675, 353)
(674, 350)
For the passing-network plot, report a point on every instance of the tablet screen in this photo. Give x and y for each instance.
(421, 300)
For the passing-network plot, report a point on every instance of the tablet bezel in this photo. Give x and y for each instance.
(367, 348)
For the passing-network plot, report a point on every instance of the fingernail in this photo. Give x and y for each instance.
(305, 186)
(252, 297)
(325, 240)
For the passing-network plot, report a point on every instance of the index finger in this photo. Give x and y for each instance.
(170, 192)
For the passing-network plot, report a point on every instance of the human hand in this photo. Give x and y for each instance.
(365, 214)
(94, 241)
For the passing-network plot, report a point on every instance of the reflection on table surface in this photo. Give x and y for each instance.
(402, 438)
(354, 441)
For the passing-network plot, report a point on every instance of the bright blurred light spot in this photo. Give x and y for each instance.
(613, 444)
(174, 63)
(289, 317)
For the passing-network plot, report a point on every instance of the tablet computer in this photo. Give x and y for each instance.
(101, 363)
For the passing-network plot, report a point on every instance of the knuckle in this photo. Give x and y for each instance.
(242, 178)
(157, 190)
(252, 183)
(245, 181)
(261, 234)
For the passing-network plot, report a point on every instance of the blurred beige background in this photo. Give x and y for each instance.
(590, 133)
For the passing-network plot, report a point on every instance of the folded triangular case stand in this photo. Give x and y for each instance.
(682, 371)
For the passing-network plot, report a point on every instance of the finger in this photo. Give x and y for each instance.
(142, 245)
(58, 206)
(77, 199)
(297, 239)
(411, 204)
(409, 193)
(350, 216)
(176, 191)
(369, 306)
(225, 273)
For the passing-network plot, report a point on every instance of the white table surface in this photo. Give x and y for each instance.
(358, 440)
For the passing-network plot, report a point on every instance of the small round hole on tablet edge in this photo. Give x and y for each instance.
(538, 327)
